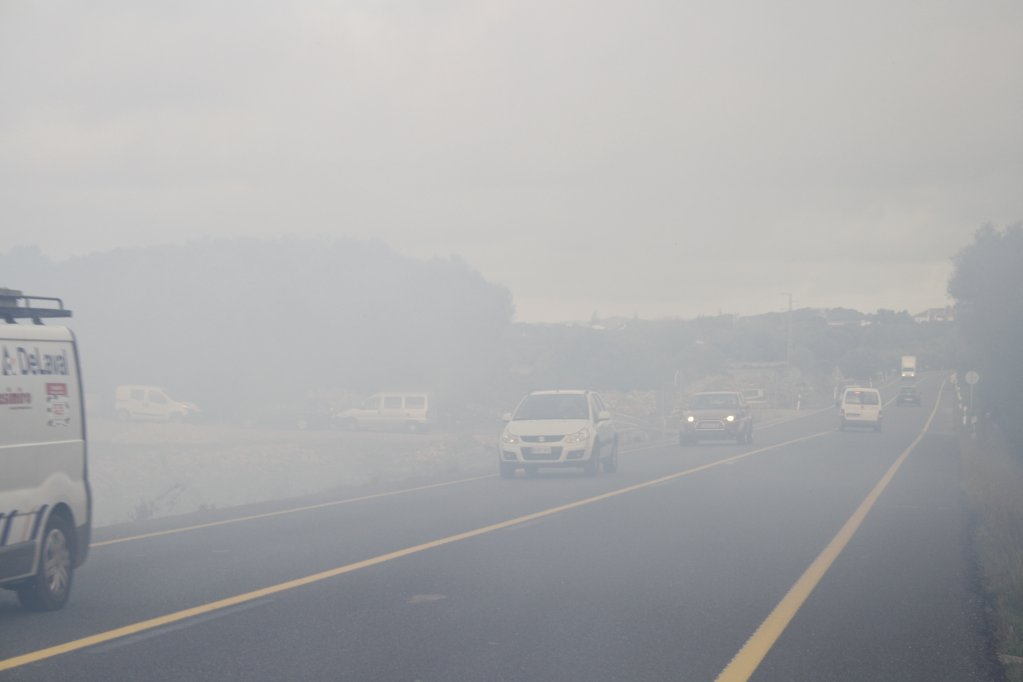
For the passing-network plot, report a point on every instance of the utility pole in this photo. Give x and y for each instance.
(788, 336)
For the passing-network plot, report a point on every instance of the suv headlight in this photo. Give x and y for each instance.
(730, 418)
(509, 438)
(690, 419)
(580, 436)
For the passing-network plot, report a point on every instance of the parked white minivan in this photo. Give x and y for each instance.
(406, 410)
(45, 501)
(152, 403)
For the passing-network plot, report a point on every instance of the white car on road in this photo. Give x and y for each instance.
(559, 429)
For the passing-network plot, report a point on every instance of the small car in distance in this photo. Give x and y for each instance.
(717, 415)
(908, 395)
(860, 407)
(566, 428)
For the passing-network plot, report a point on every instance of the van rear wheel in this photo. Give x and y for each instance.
(50, 587)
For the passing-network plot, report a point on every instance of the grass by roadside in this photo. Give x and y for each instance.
(993, 477)
(146, 470)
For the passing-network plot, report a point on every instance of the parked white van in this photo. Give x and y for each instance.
(45, 502)
(151, 402)
(409, 411)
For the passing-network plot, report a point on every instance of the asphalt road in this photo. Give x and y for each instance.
(818, 554)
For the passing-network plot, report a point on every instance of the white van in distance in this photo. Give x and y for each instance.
(45, 501)
(151, 402)
(406, 410)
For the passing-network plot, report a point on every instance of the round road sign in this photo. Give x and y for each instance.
(972, 377)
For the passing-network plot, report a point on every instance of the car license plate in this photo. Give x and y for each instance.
(541, 449)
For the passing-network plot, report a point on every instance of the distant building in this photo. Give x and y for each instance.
(845, 317)
(946, 314)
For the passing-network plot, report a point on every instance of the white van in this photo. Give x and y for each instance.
(45, 502)
(860, 407)
(409, 411)
(151, 402)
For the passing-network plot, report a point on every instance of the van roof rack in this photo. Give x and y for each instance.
(14, 306)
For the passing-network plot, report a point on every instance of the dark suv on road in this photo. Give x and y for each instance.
(908, 395)
(718, 415)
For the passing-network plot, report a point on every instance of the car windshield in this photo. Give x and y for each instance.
(715, 401)
(553, 406)
(861, 398)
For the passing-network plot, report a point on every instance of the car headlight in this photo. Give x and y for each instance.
(509, 438)
(580, 436)
(730, 418)
(690, 419)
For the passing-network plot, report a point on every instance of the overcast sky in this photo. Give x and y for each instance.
(660, 158)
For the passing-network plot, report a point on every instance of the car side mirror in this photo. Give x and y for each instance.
(603, 416)
(506, 416)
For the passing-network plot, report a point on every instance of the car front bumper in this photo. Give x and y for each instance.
(713, 430)
(553, 455)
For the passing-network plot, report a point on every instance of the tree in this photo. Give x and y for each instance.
(243, 322)
(987, 284)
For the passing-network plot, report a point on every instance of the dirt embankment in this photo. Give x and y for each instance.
(993, 478)
(146, 470)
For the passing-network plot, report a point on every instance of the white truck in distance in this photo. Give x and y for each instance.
(908, 367)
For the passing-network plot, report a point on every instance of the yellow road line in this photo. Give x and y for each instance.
(321, 505)
(746, 662)
(282, 512)
(141, 626)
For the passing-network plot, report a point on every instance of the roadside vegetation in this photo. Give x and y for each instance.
(987, 284)
(993, 477)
